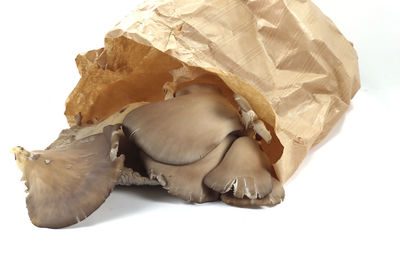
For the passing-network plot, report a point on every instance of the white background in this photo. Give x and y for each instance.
(342, 205)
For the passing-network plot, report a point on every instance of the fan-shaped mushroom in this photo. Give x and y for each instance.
(68, 184)
(243, 169)
(183, 129)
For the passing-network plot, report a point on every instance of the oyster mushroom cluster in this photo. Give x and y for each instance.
(196, 145)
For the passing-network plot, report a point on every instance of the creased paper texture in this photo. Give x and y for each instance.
(287, 58)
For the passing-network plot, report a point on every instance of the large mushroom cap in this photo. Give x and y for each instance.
(243, 169)
(68, 184)
(186, 181)
(183, 129)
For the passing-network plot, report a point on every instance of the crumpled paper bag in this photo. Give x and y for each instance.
(288, 59)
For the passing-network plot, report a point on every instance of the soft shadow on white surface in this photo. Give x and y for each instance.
(127, 200)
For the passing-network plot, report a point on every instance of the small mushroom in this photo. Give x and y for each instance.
(67, 184)
(186, 181)
(250, 119)
(244, 170)
(183, 129)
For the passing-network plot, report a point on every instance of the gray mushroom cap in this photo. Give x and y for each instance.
(243, 170)
(66, 185)
(186, 181)
(183, 129)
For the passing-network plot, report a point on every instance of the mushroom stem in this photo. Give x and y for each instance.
(250, 119)
(168, 89)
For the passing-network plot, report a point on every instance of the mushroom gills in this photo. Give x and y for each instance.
(67, 184)
(274, 198)
(244, 170)
(183, 129)
(186, 181)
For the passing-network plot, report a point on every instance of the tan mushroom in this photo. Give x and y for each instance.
(274, 198)
(67, 184)
(183, 129)
(243, 170)
(186, 181)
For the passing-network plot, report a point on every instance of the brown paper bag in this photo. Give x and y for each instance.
(287, 58)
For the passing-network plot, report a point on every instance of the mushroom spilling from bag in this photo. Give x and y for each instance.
(67, 184)
(193, 145)
(192, 99)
